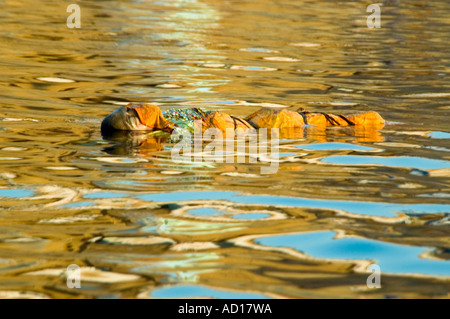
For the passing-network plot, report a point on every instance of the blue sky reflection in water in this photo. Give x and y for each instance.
(17, 192)
(392, 258)
(204, 212)
(335, 146)
(192, 291)
(400, 161)
(361, 208)
(438, 134)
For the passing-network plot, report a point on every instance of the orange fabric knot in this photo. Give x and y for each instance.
(276, 118)
(150, 115)
(222, 121)
(370, 118)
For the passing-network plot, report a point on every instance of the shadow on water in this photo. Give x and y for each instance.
(132, 142)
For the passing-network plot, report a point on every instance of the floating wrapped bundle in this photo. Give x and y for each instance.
(141, 117)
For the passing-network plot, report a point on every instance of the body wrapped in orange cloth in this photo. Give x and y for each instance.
(149, 117)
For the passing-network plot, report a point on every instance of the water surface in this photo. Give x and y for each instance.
(153, 228)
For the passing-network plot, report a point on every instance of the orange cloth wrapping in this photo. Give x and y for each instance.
(276, 118)
(370, 118)
(150, 115)
(222, 121)
(364, 119)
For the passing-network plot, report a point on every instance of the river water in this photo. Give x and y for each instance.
(141, 225)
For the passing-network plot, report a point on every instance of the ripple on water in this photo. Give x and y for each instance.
(252, 216)
(14, 149)
(205, 212)
(355, 207)
(229, 212)
(99, 195)
(88, 274)
(281, 59)
(16, 192)
(258, 50)
(427, 95)
(55, 80)
(397, 161)
(440, 135)
(392, 258)
(336, 146)
(305, 44)
(118, 160)
(252, 68)
(79, 204)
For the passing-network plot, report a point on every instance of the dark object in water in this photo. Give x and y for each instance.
(148, 117)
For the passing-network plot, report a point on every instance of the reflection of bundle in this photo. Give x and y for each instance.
(139, 117)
